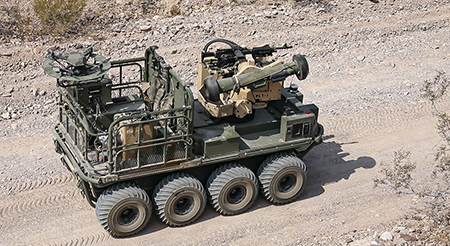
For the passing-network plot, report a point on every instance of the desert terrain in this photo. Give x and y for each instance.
(368, 61)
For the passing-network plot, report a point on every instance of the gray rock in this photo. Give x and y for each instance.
(34, 91)
(6, 54)
(6, 116)
(408, 237)
(208, 25)
(360, 58)
(386, 236)
(321, 10)
(179, 27)
(268, 14)
(145, 28)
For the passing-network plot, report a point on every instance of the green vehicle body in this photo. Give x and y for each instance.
(182, 136)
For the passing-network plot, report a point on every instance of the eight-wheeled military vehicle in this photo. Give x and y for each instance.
(141, 142)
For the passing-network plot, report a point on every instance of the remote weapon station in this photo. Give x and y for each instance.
(142, 142)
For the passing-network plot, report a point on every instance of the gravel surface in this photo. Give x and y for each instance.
(368, 61)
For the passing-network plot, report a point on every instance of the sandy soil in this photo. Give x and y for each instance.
(368, 62)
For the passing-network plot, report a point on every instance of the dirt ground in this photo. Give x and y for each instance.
(368, 61)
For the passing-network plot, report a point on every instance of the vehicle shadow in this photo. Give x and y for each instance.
(325, 164)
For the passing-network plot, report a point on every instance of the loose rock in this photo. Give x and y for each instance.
(207, 25)
(145, 28)
(6, 116)
(408, 238)
(386, 236)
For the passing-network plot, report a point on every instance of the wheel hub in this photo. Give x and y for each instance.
(128, 215)
(236, 194)
(287, 183)
(184, 205)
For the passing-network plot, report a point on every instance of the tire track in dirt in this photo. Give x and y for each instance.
(81, 240)
(393, 25)
(370, 125)
(39, 183)
(30, 205)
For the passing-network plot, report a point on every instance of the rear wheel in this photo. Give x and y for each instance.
(123, 209)
(282, 177)
(179, 199)
(232, 189)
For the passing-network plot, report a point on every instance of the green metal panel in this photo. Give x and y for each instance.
(296, 126)
(224, 143)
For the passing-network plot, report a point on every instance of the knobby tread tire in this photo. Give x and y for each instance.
(219, 179)
(173, 185)
(113, 196)
(269, 169)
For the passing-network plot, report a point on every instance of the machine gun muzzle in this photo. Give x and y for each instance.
(298, 66)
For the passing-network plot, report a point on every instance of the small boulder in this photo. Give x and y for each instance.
(386, 236)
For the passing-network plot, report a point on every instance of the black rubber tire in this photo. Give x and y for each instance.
(282, 177)
(232, 189)
(179, 199)
(123, 209)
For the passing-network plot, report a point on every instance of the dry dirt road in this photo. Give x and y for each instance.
(365, 77)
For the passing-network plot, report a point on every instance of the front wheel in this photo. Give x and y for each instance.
(123, 209)
(282, 177)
